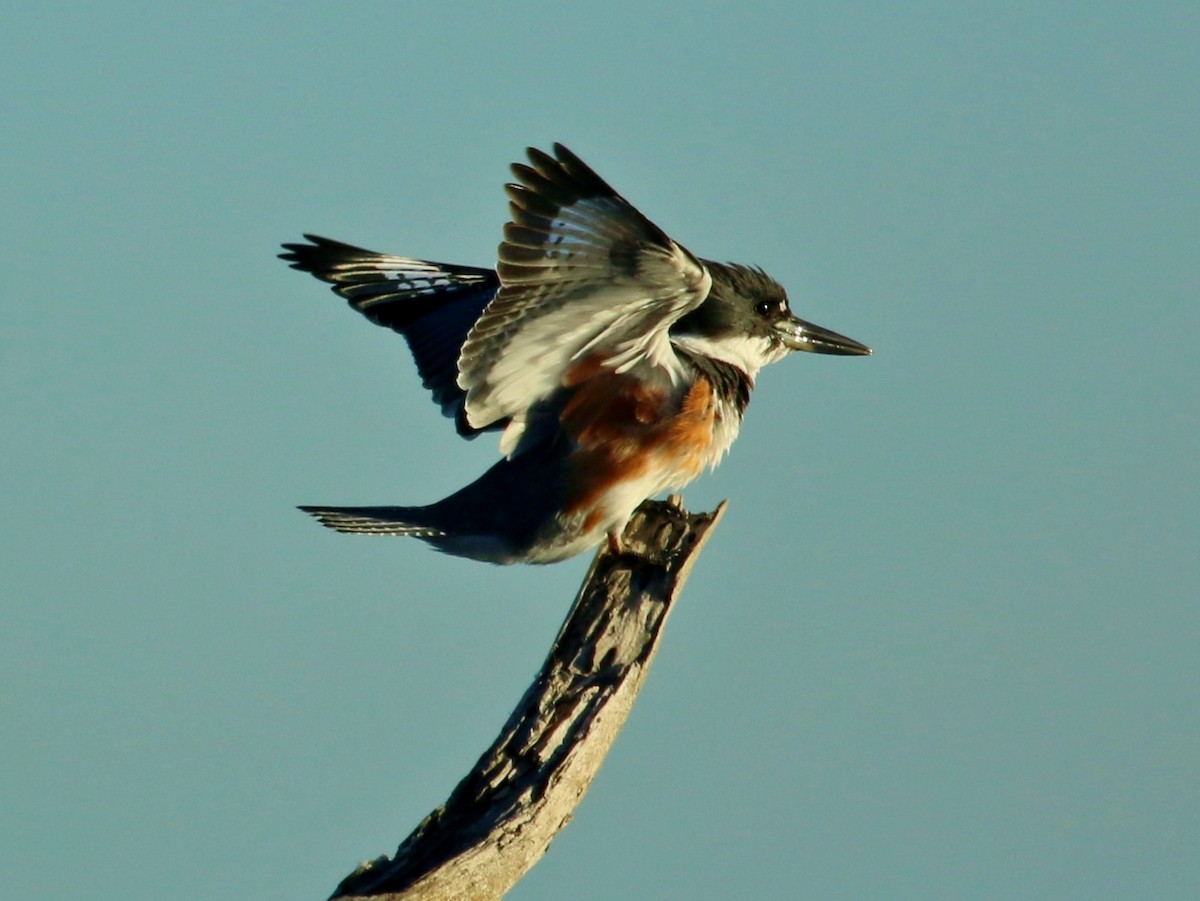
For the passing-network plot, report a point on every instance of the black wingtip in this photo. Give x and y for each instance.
(539, 157)
(320, 255)
(300, 256)
(551, 176)
(567, 157)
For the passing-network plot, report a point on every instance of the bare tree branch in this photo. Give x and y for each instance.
(501, 818)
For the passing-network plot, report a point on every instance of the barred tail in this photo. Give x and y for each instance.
(376, 520)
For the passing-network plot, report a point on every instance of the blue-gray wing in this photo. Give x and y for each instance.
(582, 273)
(433, 305)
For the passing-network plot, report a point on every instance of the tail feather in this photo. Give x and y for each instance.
(375, 521)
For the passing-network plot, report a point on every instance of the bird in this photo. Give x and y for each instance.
(615, 364)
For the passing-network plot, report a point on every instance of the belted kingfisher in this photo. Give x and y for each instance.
(614, 362)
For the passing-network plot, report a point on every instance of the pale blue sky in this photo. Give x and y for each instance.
(944, 644)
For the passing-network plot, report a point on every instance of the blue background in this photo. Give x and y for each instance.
(944, 644)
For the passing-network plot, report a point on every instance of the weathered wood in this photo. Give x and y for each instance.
(501, 818)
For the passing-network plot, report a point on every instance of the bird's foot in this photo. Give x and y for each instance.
(614, 543)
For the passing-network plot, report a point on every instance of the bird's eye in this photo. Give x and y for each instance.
(764, 307)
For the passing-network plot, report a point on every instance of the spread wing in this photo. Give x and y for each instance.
(582, 274)
(433, 305)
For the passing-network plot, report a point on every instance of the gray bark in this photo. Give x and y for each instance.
(501, 818)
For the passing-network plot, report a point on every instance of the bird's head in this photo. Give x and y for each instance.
(746, 321)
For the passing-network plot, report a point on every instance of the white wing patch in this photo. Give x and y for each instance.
(582, 273)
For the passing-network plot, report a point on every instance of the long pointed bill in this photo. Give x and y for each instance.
(800, 335)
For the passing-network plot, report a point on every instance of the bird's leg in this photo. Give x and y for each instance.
(614, 542)
(656, 534)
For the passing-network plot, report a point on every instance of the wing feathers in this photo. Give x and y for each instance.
(433, 305)
(581, 271)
